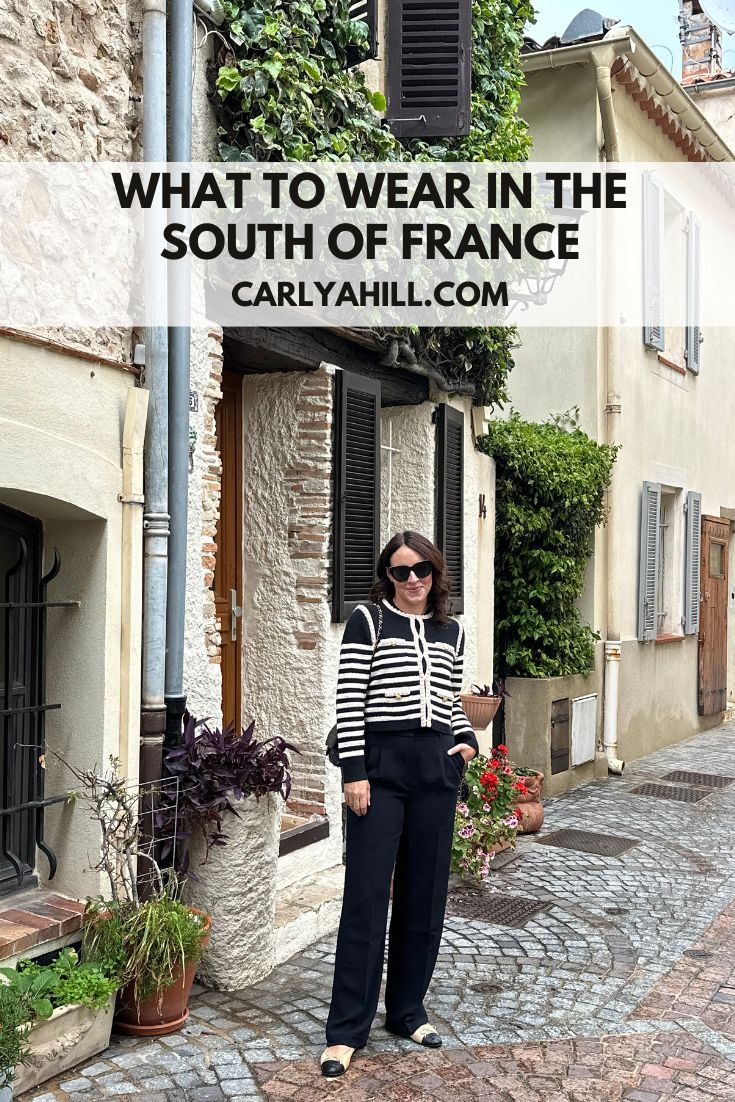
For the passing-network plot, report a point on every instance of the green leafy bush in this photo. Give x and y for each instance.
(551, 487)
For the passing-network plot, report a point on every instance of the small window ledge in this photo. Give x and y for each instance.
(669, 639)
(674, 367)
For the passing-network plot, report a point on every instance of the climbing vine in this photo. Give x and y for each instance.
(286, 91)
(551, 484)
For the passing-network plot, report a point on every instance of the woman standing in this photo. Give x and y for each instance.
(403, 740)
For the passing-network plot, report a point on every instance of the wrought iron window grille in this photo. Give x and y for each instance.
(24, 705)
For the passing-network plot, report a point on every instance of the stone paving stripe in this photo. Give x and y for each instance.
(704, 780)
(680, 793)
(585, 841)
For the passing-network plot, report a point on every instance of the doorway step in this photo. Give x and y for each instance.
(36, 922)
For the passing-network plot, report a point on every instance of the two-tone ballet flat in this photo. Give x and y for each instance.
(427, 1036)
(333, 1066)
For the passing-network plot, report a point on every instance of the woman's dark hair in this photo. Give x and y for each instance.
(438, 600)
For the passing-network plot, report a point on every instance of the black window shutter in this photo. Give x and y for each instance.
(365, 11)
(357, 491)
(450, 497)
(429, 58)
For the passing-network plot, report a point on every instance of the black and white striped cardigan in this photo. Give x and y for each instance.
(415, 681)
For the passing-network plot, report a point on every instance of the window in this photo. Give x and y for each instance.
(669, 575)
(429, 55)
(672, 276)
(21, 709)
(668, 600)
(357, 491)
(450, 497)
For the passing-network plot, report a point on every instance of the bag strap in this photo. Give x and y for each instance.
(373, 609)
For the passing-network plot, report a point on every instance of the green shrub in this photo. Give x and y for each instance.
(551, 487)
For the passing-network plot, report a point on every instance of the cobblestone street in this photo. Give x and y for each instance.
(573, 976)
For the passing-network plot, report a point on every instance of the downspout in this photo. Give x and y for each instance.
(156, 517)
(179, 382)
(131, 599)
(613, 409)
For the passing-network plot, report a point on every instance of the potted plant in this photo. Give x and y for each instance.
(482, 703)
(487, 817)
(52, 1017)
(156, 944)
(225, 788)
(15, 1026)
(147, 938)
(529, 783)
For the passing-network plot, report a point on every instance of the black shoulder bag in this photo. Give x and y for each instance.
(332, 751)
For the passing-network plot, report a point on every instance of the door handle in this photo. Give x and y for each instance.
(235, 614)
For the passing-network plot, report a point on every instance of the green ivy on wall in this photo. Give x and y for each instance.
(285, 93)
(551, 486)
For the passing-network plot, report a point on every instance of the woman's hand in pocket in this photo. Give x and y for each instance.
(357, 796)
(467, 752)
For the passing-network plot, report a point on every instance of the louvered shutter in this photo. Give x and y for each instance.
(429, 55)
(366, 11)
(357, 491)
(694, 284)
(693, 563)
(450, 497)
(650, 550)
(653, 273)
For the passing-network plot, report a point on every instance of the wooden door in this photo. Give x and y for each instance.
(713, 616)
(228, 579)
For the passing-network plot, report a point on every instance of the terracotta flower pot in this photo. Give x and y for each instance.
(164, 1011)
(533, 784)
(480, 710)
(532, 818)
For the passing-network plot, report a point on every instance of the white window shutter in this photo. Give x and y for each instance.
(653, 262)
(693, 567)
(650, 551)
(694, 291)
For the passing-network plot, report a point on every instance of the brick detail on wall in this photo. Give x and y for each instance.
(309, 486)
(211, 491)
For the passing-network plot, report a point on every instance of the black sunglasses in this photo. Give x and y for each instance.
(403, 573)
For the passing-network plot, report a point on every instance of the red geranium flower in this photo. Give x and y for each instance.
(502, 749)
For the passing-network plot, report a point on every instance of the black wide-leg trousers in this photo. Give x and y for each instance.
(407, 828)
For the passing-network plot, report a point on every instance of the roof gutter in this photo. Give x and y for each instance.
(602, 55)
(625, 42)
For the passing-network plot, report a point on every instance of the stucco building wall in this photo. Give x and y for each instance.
(672, 426)
(64, 467)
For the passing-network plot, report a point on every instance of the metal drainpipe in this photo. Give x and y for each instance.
(179, 382)
(613, 409)
(155, 517)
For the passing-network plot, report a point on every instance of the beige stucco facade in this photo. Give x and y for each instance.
(672, 426)
(62, 426)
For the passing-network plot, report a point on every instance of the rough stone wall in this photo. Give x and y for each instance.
(288, 653)
(70, 81)
(202, 673)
